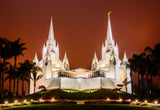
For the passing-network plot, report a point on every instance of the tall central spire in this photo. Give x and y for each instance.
(109, 30)
(51, 33)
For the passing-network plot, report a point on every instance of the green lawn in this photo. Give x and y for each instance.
(79, 95)
(80, 107)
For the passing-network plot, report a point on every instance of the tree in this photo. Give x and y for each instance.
(5, 54)
(35, 77)
(17, 49)
(153, 67)
(10, 75)
(42, 87)
(25, 70)
(135, 67)
(156, 54)
(147, 63)
(142, 64)
(125, 83)
(138, 65)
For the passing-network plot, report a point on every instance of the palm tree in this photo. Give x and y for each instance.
(17, 49)
(35, 77)
(25, 70)
(156, 54)
(1, 70)
(10, 75)
(134, 65)
(153, 62)
(142, 69)
(42, 87)
(125, 83)
(5, 54)
(148, 55)
(17, 76)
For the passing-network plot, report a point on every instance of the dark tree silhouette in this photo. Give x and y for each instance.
(17, 49)
(24, 70)
(35, 77)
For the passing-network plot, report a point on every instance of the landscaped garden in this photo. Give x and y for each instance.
(81, 107)
(81, 95)
(80, 100)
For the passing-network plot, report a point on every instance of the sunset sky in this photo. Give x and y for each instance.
(80, 26)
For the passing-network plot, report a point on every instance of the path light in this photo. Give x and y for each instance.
(15, 101)
(25, 101)
(108, 99)
(120, 100)
(136, 101)
(155, 102)
(129, 100)
(145, 101)
(40, 100)
(52, 100)
(6, 102)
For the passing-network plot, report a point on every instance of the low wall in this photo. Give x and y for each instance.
(81, 83)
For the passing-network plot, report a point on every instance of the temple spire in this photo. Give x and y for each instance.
(65, 59)
(51, 33)
(35, 60)
(125, 59)
(109, 30)
(95, 59)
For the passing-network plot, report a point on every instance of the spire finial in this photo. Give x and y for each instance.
(95, 54)
(109, 13)
(95, 59)
(125, 59)
(65, 59)
(51, 31)
(109, 30)
(35, 60)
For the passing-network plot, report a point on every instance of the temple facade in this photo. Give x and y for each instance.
(106, 73)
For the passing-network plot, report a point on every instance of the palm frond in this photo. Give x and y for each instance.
(39, 77)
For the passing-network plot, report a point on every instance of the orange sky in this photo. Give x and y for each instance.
(80, 26)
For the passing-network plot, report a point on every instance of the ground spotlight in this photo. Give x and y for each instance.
(24, 100)
(155, 102)
(15, 101)
(120, 100)
(108, 99)
(145, 101)
(52, 100)
(40, 100)
(6, 102)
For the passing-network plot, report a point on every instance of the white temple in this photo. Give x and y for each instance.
(105, 73)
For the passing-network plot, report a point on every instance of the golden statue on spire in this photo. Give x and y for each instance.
(109, 13)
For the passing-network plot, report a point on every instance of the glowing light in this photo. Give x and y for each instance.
(40, 100)
(31, 100)
(6, 102)
(136, 101)
(52, 100)
(129, 100)
(145, 101)
(15, 101)
(108, 99)
(120, 100)
(155, 102)
(25, 101)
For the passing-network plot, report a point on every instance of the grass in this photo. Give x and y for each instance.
(80, 107)
(79, 95)
(74, 91)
